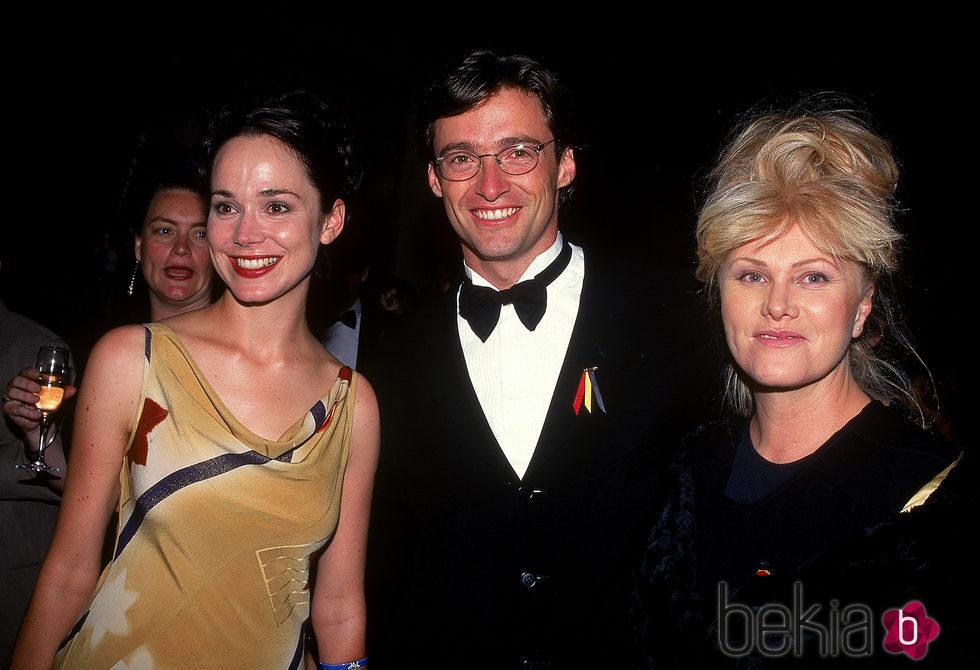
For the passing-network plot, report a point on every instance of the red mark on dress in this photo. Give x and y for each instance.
(152, 415)
(344, 375)
(326, 421)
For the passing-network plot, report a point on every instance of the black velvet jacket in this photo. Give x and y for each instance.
(833, 537)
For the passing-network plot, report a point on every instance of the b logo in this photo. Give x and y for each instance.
(909, 630)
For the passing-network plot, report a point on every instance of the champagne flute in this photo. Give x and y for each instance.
(52, 366)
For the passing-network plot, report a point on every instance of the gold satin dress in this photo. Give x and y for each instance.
(218, 529)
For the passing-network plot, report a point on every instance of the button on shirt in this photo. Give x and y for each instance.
(515, 371)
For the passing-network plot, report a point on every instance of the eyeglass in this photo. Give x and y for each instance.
(515, 160)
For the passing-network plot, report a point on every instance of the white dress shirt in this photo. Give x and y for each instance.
(515, 371)
(341, 340)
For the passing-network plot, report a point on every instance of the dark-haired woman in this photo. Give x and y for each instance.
(238, 435)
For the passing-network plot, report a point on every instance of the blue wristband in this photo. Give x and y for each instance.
(344, 666)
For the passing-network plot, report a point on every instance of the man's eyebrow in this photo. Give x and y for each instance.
(523, 139)
(502, 143)
(458, 146)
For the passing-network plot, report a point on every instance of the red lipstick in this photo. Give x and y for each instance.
(253, 267)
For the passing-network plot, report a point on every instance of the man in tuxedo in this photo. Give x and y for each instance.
(522, 449)
(350, 308)
(349, 328)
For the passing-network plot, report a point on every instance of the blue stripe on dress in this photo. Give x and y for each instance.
(297, 659)
(319, 412)
(185, 477)
(74, 631)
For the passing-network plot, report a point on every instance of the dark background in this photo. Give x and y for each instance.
(654, 106)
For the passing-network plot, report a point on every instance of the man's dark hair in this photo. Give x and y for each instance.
(482, 74)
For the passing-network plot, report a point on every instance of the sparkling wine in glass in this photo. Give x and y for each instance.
(52, 366)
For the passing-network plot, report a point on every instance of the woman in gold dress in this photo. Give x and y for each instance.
(229, 437)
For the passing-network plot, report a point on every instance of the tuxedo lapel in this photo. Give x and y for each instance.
(595, 344)
(461, 417)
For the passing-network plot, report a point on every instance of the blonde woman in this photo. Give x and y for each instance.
(796, 245)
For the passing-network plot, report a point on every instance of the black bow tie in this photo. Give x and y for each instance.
(480, 305)
(348, 318)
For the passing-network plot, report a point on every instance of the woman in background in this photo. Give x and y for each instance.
(171, 250)
(170, 241)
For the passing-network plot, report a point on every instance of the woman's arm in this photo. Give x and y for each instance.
(338, 610)
(106, 408)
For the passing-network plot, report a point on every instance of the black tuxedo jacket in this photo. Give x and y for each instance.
(471, 566)
(374, 321)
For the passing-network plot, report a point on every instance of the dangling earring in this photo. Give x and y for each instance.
(132, 279)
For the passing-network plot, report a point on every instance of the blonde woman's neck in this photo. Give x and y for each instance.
(791, 424)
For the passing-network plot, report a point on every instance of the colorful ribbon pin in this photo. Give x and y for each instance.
(588, 390)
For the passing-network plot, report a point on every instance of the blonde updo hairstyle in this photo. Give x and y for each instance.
(830, 174)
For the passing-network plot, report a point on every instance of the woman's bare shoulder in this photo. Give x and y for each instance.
(366, 419)
(198, 322)
(111, 384)
(203, 333)
(116, 361)
(365, 393)
(122, 342)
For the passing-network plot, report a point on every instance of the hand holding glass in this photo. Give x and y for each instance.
(52, 365)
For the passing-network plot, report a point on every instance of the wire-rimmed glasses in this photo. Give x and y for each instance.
(459, 165)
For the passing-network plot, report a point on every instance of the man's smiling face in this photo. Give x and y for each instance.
(503, 221)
